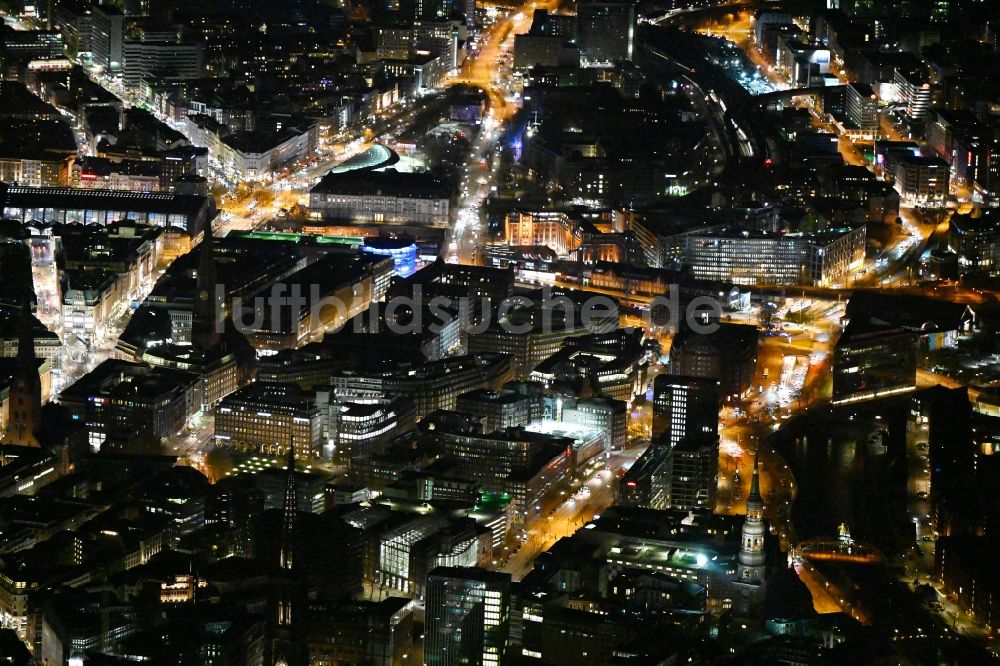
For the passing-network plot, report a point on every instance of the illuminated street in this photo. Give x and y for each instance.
(541, 333)
(595, 492)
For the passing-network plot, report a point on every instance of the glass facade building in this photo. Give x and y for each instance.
(468, 617)
(67, 205)
(403, 252)
(684, 407)
(754, 258)
(873, 361)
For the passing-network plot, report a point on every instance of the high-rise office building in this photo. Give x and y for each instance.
(959, 137)
(528, 466)
(923, 181)
(119, 401)
(976, 240)
(914, 92)
(751, 559)
(862, 109)
(694, 473)
(108, 33)
(150, 60)
(728, 354)
(75, 22)
(467, 617)
(433, 9)
(646, 484)
(988, 174)
(605, 31)
(684, 408)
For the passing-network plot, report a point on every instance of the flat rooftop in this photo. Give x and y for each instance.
(20, 196)
(383, 183)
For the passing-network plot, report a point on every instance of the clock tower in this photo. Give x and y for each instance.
(206, 324)
(25, 410)
(751, 558)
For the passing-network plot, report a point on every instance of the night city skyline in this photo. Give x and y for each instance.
(499, 332)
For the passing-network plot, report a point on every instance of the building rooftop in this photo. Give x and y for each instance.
(270, 395)
(383, 183)
(962, 119)
(917, 313)
(259, 142)
(435, 369)
(471, 573)
(493, 396)
(726, 336)
(89, 281)
(920, 160)
(102, 167)
(187, 357)
(460, 274)
(896, 59)
(818, 237)
(987, 221)
(19, 196)
(98, 245)
(137, 118)
(376, 157)
(861, 330)
(305, 239)
(153, 385)
(36, 139)
(245, 263)
(361, 409)
(17, 100)
(10, 318)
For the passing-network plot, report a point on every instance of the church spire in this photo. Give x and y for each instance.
(25, 398)
(205, 328)
(750, 559)
(754, 495)
(290, 508)
(26, 337)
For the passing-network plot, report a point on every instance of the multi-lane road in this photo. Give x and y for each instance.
(489, 69)
(594, 491)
